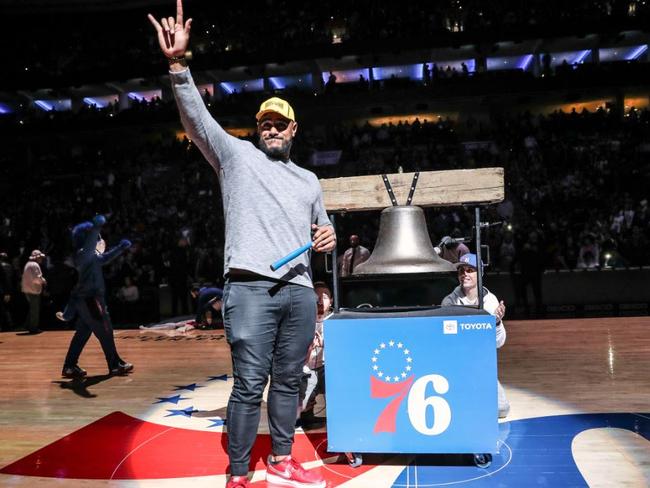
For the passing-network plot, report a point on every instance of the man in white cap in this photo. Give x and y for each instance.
(466, 293)
(271, 207)
(32, 287)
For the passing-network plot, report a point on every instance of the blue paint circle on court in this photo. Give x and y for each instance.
(450, 469)
(534, 452)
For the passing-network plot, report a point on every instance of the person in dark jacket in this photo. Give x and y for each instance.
(208, 301)
(87, 305)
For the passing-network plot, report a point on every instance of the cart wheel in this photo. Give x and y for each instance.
(354, 459)
(483, 460)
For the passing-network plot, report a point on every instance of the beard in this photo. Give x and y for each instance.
(277, 152)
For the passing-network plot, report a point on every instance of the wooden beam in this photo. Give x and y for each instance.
(434, 189)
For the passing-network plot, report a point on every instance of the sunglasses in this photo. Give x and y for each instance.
(466, 270)
(280, 125)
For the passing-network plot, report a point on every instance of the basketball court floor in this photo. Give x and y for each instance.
(580, 414)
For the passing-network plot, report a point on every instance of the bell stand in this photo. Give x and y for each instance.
(479, 261)
(478, 187)
(437, 188)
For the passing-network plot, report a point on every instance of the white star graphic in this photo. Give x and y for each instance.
(386, 376)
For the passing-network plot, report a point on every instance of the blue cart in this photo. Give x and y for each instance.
(416, 381)
(412, 380)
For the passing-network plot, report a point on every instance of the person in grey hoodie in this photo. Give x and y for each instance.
(466, 293)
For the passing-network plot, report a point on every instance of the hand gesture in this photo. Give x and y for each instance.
(324, 238)
(500, 311)
(173, 36)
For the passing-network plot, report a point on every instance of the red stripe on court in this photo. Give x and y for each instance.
(119, 446)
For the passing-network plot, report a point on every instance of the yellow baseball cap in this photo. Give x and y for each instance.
(278, 106)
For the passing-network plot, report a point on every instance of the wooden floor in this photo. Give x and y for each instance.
(548, 368)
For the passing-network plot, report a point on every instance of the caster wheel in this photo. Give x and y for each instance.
(354, 459)
(482, 460)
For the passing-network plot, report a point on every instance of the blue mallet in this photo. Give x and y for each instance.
(292, 255)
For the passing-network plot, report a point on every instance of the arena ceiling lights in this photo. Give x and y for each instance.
(296, 81)
(347, 76)
(101, 101)
(509, 62)
(57, 105)
(571, 57)
(231, 87)
(623, 53)
(145, 96)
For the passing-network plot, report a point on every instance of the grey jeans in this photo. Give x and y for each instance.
(269, 327)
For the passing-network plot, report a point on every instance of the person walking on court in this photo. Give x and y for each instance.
(87, 305)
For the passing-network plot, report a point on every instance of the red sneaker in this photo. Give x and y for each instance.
(238, 482)
(289, 472)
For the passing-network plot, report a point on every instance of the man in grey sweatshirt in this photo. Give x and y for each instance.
(271, 207)
(466, 293)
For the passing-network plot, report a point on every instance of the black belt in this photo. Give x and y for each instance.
(247, 276)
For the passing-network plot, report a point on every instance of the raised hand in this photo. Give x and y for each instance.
(173, 35)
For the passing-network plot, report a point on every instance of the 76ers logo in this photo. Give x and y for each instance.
(392, 376)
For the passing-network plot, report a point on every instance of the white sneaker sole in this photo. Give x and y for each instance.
(278, 480)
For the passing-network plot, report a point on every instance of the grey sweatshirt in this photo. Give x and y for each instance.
(269, 205)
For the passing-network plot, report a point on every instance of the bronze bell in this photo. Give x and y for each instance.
(403, 245)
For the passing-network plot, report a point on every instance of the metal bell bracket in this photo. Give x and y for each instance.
(391, 195)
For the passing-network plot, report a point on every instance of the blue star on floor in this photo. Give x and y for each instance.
(190, 387)
(218, 422)
(172, 399)
(186, 412)
(223, 377)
